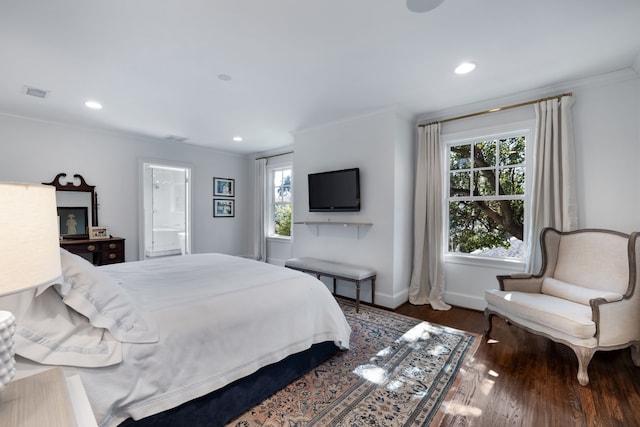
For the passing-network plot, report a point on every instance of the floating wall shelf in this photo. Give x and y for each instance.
(341, 223)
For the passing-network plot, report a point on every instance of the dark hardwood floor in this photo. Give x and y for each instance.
(521, 379)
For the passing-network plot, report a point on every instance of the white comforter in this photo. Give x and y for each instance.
(219, 319)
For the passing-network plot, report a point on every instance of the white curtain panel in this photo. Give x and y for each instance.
(427, 277)
(553, 202)
(259, 228)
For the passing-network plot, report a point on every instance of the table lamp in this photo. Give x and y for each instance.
(29, 252)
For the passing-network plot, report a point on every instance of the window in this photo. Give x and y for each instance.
(280, 202)
(486, 196)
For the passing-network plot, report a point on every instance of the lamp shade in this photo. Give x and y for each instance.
(29, 236)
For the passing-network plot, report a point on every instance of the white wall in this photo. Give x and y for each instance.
(375, 144)
(278, 250)
(607, 135)
(404, 171)
(35, 151)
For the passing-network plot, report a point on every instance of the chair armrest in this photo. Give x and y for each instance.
(520, 282)
(617, 322)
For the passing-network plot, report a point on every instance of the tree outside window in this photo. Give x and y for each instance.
(281, 202)
(486, 197)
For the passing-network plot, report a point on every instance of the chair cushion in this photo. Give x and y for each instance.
(566, 316)
(575, 293)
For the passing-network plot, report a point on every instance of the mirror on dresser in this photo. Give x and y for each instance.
(77, 204)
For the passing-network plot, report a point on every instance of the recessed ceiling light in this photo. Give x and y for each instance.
(237, 138)
(224, 77)
(94, 105)
(465, 67)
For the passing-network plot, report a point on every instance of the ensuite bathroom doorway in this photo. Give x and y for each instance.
(166, 210)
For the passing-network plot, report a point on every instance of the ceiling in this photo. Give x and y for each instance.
(156, 65)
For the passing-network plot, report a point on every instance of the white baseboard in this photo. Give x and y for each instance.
(465, 300)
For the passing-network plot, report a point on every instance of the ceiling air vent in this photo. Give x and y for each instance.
(34, 91)
(175, 138)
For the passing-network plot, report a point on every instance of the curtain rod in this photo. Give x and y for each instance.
(495, 110)
(274, 155)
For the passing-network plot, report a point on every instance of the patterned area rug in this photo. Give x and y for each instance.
(397, 373)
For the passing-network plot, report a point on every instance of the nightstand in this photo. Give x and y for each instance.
(44, 399)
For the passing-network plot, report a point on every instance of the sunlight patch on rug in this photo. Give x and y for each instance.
(397, 373)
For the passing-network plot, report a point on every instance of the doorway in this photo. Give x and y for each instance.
(166, 210)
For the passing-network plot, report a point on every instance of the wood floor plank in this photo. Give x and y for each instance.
(521, 379)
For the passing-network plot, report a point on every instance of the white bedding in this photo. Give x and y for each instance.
(219, 318)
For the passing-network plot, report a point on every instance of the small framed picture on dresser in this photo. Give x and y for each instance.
(96, 233)
(224, 208)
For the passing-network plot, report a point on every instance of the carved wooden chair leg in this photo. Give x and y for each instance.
(635, 353)
(584, 357)
(487, 322)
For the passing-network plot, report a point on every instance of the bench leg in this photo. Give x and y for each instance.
(373, 290)
(334, 286)
(357, 296)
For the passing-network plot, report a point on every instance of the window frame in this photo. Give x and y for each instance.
(522, 128)
(271, 202)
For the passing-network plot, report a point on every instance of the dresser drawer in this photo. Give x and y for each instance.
(113, 252)
(98, 252)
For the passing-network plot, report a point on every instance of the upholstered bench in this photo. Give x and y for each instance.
(337, 271)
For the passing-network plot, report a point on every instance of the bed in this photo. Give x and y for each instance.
(194, 339)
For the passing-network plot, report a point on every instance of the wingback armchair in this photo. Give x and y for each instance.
(585, 295)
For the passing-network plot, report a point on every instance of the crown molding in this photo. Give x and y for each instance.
(603, 79)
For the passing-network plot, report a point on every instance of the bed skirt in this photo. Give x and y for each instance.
(221, 406)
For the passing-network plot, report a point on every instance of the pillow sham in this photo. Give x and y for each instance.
(106, 304)
(50, 332)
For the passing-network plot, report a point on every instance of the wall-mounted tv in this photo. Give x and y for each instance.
(335, 191)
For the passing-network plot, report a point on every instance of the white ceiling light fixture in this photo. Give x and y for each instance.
(94, 105)
(465, 67)
(237, 138)
(421, 6)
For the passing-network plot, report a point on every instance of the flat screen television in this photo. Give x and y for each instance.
(335, 191)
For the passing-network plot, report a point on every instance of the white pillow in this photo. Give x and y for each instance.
(96, 295)
(50, 332)
(575, 293)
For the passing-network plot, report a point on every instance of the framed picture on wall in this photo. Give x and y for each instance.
(224, 208)
(73, 221)
(224, 187)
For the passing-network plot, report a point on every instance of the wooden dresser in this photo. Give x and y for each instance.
(99, 252)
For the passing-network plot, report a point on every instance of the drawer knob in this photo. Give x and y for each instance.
(112, 245)
(91, 248)
(112, 256)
